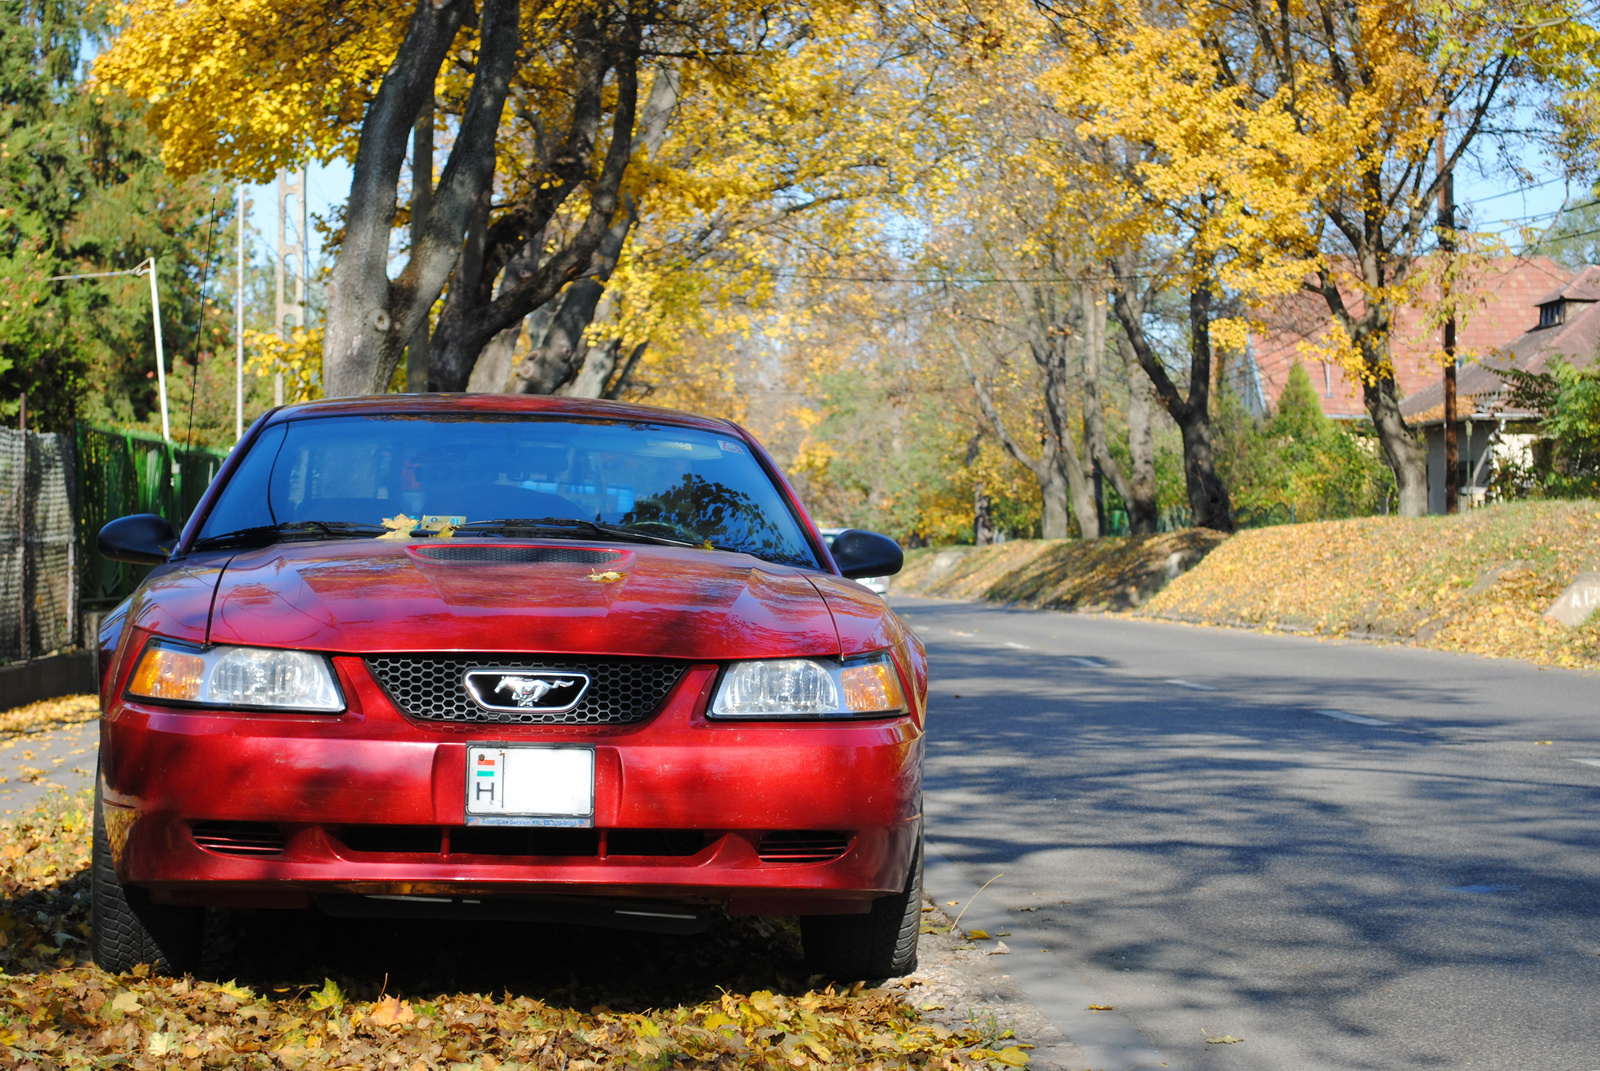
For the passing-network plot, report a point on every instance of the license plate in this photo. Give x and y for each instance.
(530, 786)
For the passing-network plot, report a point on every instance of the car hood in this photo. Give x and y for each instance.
(360, 596)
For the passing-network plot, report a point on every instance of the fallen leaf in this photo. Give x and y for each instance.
(978, 935)
(1102, 1007)
(391, 1011)
(1012, 1056)
(400, 527)
(126, 1003)
(610, 576)
(1219, 1039)
(1000, 950)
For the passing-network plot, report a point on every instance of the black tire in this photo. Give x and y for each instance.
(880, 944)
(126, 928)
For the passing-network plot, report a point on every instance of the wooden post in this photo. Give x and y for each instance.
(22, 533)
(1447, 246)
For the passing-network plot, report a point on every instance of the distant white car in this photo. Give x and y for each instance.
(878, 585)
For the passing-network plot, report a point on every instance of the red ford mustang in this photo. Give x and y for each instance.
(512, 658)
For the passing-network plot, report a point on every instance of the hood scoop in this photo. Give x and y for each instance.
(477, 552)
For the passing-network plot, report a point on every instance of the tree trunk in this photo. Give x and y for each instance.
(1094, 422)
(1208, 496)
(1053, 490)
(1405, 455)
(421, 200)
(1143, 510)
(982, 518)
(370, 319)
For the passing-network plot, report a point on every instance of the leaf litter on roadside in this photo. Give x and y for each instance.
(735, 998)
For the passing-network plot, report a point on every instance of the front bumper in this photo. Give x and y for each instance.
(235, 809)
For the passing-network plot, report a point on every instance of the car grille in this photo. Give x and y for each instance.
(621, 690)
(468, 552)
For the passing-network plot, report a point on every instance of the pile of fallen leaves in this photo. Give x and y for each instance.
(1480, 581)
(422, 996)
(1115, 573)
(49, 713)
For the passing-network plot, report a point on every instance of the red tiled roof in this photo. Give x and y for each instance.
(1577, 340)
(1509, 291)
(1586, 287)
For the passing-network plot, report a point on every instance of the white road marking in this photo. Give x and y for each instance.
(1588, 762)
(1019, 646)
(1353, 719)
(1191, 685)
(958, 632)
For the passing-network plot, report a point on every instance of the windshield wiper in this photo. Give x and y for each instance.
(567, 526)
(265, 534)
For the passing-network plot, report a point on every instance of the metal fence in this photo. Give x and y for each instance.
(123, 472)
(39, 556)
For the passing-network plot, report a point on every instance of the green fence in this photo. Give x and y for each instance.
(123, 472)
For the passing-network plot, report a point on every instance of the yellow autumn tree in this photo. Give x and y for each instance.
(1307, 134)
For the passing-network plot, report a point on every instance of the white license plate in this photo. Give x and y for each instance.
(530, 786)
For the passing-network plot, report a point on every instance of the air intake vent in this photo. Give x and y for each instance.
(397, 840)
(802, 846)
(670, 843)
(494, 840)
(476, 552)
(238, 838)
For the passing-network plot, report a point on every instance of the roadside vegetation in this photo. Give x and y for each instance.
(1479, 582)
(302, 991)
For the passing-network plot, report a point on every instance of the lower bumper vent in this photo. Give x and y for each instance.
(238, 838)
(802, 846)
(396, 840)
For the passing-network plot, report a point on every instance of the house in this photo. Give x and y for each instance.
(1505, 290)
(1567, 325)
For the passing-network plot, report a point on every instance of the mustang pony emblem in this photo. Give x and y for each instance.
(526, 691)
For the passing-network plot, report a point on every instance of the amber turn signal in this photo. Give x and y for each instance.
(166, 673)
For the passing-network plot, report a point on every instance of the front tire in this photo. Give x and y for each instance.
(126, 928)
(880, 944)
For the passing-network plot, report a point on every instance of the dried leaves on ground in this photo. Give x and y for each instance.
(1478, 582)
(297, 990)
(49, 713)
(1116, 573)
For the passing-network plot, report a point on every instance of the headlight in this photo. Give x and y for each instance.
(810, 688)
(236, 677)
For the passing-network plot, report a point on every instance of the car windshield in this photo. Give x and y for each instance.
(657, 479)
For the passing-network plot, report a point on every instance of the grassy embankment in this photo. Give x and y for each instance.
(1479, 582)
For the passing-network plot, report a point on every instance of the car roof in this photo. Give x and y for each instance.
(542, 404)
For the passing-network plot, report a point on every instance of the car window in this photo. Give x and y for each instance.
(673, 481)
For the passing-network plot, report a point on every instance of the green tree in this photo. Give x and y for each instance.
(83, 191)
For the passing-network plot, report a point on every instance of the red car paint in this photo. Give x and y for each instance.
(165, 769)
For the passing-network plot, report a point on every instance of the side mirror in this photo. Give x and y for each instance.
(143, 539)
(860, 553)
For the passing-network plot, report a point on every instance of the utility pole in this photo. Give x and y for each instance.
(161, 354)
(238, 331)
(293, 265)
(1447, 246)
(421, 204)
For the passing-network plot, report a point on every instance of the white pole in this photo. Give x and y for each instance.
(238, 333)
(161, 354)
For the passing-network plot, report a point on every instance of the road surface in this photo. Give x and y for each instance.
(1349, 856)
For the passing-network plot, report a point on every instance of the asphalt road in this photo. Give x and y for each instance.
(1348, 856)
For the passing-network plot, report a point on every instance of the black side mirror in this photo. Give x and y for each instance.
(143, 539)
(860, 553)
